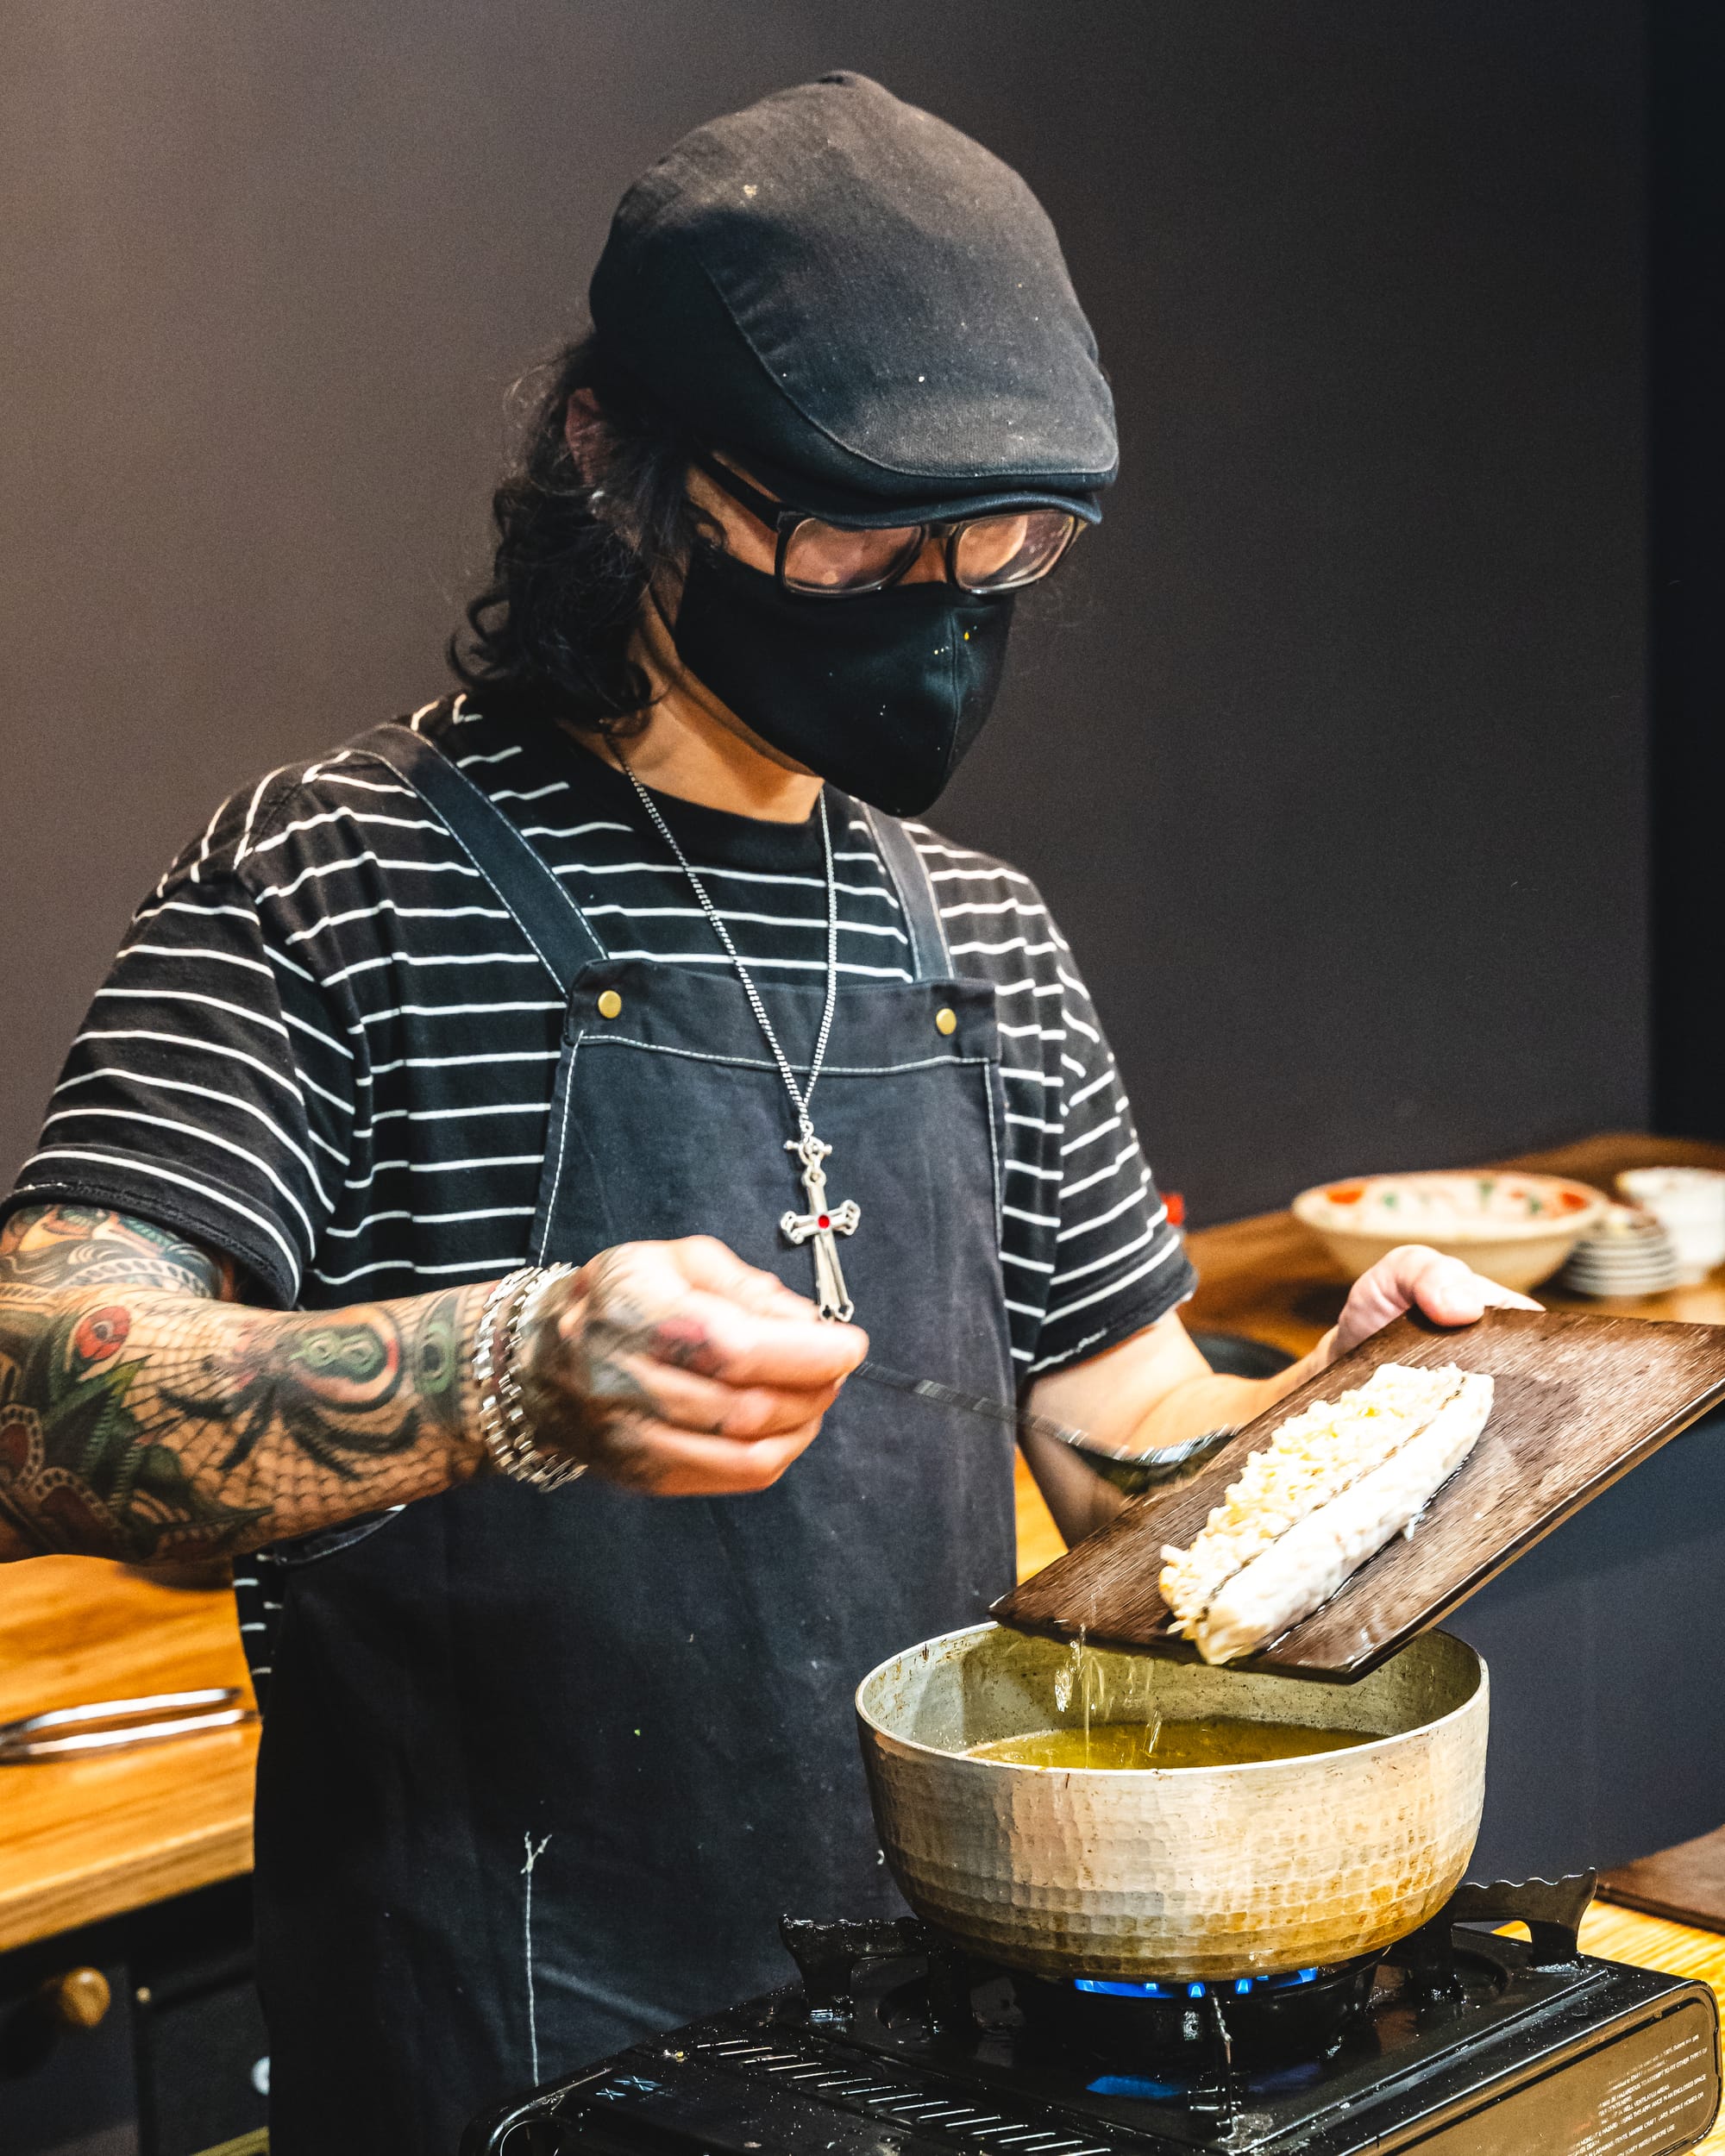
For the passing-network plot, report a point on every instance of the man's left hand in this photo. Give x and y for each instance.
(1413, 1277)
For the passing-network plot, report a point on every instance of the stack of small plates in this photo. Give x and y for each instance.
(1628, 1253)
(1690, 1204)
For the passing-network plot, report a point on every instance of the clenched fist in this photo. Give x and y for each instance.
(675, 1368)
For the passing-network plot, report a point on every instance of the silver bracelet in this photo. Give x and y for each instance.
(505, 1424)
(546, 1470)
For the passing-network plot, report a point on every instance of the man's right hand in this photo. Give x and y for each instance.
(675, 1368)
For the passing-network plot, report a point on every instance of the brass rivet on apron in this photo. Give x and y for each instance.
(610, 1004)
(945, 1020)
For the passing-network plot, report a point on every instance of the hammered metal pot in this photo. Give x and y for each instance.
(1187, 1872)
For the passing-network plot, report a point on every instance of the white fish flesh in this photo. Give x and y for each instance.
(1334, 1484)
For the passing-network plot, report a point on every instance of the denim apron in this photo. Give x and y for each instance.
(541, 1772)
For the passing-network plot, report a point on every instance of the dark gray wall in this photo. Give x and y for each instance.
(1686, 279)
(1331, 758)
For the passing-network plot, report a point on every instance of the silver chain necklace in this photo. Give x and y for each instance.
(822, 1221)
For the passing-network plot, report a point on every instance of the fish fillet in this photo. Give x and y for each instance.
(1334, 1485)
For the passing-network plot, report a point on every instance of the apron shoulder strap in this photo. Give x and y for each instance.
(930, 958)
(546, 915)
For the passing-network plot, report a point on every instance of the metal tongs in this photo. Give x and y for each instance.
(116, 1724)
(1131, 1472)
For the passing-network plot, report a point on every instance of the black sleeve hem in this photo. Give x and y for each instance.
(1135, 1315)
(262, 1264)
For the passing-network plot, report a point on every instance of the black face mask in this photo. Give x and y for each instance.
(882, 693)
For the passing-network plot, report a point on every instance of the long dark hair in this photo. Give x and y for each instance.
(576, 550)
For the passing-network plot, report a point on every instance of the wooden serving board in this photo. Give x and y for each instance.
(1684, 1884)
(1579, 1400)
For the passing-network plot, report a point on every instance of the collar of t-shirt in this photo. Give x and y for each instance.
(551, 754)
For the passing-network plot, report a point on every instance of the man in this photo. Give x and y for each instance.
(623, 961)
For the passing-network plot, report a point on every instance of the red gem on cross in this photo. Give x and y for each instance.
(824, 1221)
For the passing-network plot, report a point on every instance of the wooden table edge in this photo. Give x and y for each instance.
(64, 1900)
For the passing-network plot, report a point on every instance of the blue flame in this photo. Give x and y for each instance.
(1136, 2087)
(1119, 1988)
(1123, 1990)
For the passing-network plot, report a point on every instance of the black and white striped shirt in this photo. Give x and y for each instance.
(327, 1050)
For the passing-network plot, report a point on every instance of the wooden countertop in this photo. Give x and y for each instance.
(85, 1838)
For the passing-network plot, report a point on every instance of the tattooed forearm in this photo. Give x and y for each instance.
(141, 1417)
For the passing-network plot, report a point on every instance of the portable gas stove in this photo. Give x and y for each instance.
(899, 2043)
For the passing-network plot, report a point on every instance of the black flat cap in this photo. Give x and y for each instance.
(868, 308)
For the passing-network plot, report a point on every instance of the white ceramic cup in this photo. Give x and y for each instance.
(1689, 1203)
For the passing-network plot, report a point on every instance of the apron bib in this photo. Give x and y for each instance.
(540, 1773)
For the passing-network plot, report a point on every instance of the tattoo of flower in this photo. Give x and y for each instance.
(75, 1463)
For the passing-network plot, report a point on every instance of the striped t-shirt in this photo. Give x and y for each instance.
(327, 1050)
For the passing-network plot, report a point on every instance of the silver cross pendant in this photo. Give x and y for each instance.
(821, 1223)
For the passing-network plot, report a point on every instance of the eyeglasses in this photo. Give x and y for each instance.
(1001, 550)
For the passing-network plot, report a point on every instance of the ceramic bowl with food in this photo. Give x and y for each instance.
(1516, 1229)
